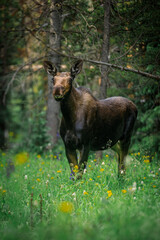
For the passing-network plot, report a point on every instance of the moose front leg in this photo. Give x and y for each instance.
(83, 161)
(72, 159)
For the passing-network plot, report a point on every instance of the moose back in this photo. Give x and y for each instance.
(91, 124)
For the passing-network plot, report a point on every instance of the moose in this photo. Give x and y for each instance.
(89, 124)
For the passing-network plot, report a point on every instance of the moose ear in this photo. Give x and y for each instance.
(76, 68)
(50, 68)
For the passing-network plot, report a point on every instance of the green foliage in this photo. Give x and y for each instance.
(37, 138)
(100, 206)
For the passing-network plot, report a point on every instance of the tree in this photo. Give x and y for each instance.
(55, 43)
(105, 49)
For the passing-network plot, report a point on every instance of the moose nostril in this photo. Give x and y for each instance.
(58, 91)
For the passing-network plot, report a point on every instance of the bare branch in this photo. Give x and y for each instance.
(17, 71)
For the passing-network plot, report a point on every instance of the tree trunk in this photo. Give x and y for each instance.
(105, 49)
(55, 43)
(105, 57)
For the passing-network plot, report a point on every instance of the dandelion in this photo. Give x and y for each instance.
(42, 163)
(38, 180)
(4, 191)
(90, 179)
(40, 169)
(109, 193)
(55, 156)
(38, 156)
(66, 207)
(89, 166)
(21, 158)
(154, 186)
(76, 166)
(32, 187)
(98, 176)
(85, 193)
(52, 178)
(157, 173)
(95, 160)
(144, 177)
(101, 170)
(124, 191)
(138, 153)
(107, 155)
(59, 171)
(146, 161)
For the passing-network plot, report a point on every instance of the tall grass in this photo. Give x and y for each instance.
(38, 200)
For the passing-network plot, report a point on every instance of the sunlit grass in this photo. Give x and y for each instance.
(40, 199)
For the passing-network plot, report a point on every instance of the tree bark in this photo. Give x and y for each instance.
(105, 50)
(55, 43)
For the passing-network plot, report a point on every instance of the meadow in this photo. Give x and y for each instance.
(40, 200)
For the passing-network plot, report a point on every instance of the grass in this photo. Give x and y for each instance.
(38, 200)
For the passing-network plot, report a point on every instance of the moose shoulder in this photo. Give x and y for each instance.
(91, 124)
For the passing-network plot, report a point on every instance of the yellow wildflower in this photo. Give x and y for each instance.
(154, 186)
(85, 193)
(144, 177)
(42, 163)
(95, 160)
(90, 179)
(101, 170)
(59, 171)
(21, 158)
(3, 154)
(4, 191)
(2, 165)
(98, 176)
(146, 161)
(40, 169)
(138, 153)
(89, 166)
(38, 156)
(66, 207)
(55, 156)
(38, 180)
(124, 191)
(52, 178)
(107, 155)
(109, 193)
(76, 166)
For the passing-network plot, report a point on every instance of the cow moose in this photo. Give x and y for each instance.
(89, 124)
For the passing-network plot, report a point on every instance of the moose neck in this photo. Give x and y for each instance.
(69, 105)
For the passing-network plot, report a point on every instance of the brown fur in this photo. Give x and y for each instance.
(91, 124)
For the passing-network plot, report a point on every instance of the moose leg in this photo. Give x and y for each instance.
(72, 158)
(121, 148)
(124, 146)
(83, 161)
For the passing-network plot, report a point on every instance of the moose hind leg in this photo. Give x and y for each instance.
(124, 146)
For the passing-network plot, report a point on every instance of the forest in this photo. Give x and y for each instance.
(119, 43)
